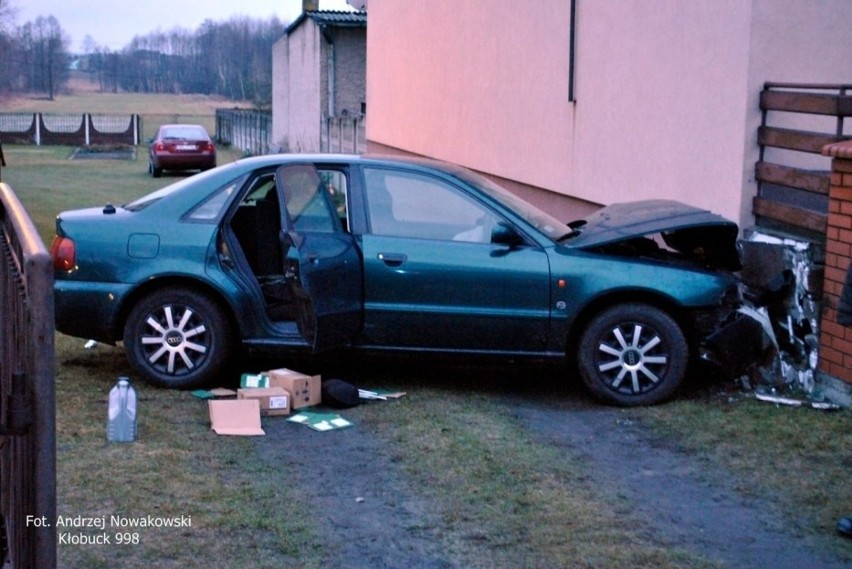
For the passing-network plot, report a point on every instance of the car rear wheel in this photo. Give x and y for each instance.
(153, 170)
(178, 338)
(632, 354)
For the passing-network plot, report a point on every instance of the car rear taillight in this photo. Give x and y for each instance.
(159, 147)
(64, 253)
(207, 147)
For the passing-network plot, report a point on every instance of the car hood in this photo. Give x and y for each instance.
(685, 232)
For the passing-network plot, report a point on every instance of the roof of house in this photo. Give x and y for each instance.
(331, 18)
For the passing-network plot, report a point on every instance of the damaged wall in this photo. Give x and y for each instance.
(789, 272)
(802, 282)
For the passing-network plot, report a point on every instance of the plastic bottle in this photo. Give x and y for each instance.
(121, 415)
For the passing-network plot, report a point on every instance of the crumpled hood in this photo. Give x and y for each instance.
(697, 234)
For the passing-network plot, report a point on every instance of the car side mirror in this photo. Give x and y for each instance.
(505, 234)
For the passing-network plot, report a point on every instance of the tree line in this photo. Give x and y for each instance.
(231, 58)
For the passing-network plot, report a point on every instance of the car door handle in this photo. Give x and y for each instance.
(392, 260)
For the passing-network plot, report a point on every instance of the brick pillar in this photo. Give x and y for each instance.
(835, 346)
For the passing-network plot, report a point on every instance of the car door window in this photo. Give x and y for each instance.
(308, 208)
(337, 188)
(406, 204)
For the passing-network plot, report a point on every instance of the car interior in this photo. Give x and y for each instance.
(257, 226)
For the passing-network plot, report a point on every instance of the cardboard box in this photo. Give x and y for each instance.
(273, 400)
(305, 390)
(239, 417)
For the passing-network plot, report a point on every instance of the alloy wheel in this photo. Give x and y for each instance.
(175, 339)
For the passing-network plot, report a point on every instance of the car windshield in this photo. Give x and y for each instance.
(184, 132)
(542, 221)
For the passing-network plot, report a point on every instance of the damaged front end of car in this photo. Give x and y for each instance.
(736, 336)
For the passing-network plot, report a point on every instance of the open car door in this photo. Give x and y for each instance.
(321, 260)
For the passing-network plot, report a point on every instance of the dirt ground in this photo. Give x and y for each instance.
(372, 517)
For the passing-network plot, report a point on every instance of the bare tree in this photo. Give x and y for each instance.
(7, 16)
(7, 23)
(230, 58)
(44, 38)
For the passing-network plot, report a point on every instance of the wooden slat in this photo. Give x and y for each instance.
(798, 217)
(811, 103)
(800, 140)
(807, 180)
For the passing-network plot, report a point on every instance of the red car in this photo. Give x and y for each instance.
(181, 147)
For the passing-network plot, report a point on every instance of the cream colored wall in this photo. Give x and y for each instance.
(505, 111)
(280, 94)
(305, 88)
(666, 90)
(297, 90)
(661, 96)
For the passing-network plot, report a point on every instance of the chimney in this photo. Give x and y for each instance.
(310, 5)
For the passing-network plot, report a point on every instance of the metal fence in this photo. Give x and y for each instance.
(347, 135)
(250, 131)
(27, 394)
(69, 128)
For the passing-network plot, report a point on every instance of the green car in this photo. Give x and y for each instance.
(293, 254)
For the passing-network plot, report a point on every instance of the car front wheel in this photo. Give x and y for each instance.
(178, 338)
(632, 354)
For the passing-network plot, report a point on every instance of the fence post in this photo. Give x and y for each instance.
(835, 351)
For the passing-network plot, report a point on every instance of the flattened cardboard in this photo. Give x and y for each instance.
(273, 400)
(254, 380)
(240, 417)
(217, 393)
(305, 390)
(320, 421)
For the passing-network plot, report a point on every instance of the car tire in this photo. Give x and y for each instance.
(154, 171)
(178, 338)
(632, 354)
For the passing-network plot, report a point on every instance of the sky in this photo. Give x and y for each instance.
(113, 23)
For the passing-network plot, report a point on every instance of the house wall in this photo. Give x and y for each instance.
(280, 94)
(350, 70)
(661, 102)
(666, 91)
(298, 90)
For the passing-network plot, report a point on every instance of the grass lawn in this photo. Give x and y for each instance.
(241, 515)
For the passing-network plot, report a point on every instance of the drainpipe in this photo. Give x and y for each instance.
(331, 79)
(331, 72)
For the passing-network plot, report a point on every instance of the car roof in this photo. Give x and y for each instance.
(364, 159)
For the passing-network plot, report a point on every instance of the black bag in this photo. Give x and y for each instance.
(339, 393)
